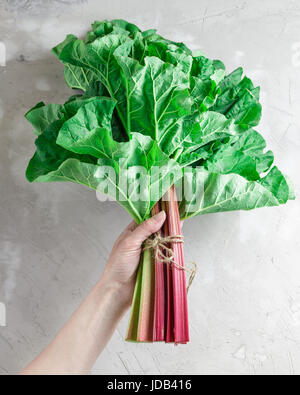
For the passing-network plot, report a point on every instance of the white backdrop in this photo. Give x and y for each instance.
(54, 239)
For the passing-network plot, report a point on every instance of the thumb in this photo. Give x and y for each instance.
(147, 228)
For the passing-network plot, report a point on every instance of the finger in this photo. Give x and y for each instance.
(144, 231)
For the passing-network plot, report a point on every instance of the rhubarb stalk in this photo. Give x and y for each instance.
(142, 314)
(169, 289)
(181, 328)
(159, 311)
(160, 297)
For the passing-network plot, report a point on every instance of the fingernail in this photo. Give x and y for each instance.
(160, 216)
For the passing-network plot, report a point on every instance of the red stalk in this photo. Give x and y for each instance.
(160, 302)
(159, 311)
(181, 328)
(169, 289)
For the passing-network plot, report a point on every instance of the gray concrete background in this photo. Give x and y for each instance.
(54, 239)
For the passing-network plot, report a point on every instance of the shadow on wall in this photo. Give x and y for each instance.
(38, 7)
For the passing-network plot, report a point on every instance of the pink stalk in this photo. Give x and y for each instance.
(159, 305)
(159, 311)
(169, 288)
(181, 328)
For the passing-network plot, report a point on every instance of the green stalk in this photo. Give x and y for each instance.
(135, 309)
(142, 314)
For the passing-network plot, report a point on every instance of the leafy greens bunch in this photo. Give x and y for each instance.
(147, 101)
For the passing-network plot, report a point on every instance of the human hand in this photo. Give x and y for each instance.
(99, 314)
(123, 262)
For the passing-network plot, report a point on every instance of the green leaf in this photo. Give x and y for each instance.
(147, 101)
(98, 57)
(76, 77)
(254, 145)
(232, 80)
(170, 53)
(49, 120)
(202, 130)
(49, 157)
(244, 156)
(229, 160)
(246, 111)
(41, 116)
(156, 97)
(151, 99)
(203, 68)
(211, 192)
(158, 173)
(152, 37)
(78, 146)
(101, 29)
(238, 99)
(82, 133)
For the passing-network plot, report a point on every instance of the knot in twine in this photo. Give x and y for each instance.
(165, 254)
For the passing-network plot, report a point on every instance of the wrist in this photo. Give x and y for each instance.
(118, 291)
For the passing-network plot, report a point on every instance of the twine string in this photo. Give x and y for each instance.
(166, 254)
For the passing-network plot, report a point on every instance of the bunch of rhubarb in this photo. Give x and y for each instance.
(147, 115)
(159, 309)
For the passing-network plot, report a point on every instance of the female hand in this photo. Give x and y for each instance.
(125, 257)
(77, 346)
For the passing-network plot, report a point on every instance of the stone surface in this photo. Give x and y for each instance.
(54, 239)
